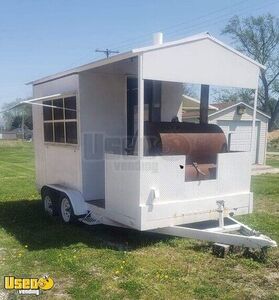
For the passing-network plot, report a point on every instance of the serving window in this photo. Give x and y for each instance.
(60, 120)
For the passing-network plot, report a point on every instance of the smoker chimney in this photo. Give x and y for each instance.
(158, 38)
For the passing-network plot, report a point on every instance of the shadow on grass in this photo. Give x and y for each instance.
(27, 222)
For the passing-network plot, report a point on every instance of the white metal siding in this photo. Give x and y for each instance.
(201, 62)
(240, 132)
(229, 120)
(55, 163)
(151, 192)
(262, 142)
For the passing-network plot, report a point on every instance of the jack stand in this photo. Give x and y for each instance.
(220, 210)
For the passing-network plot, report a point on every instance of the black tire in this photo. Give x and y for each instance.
(49, 199)
(66, 209)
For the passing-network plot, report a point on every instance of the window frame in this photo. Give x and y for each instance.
(64, 121)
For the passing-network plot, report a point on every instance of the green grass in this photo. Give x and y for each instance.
(273, 160)
(273, 145)
(102, 262)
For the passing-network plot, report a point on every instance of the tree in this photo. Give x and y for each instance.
(258, 37)
(191, 90)
(233, 95)
(18, 116)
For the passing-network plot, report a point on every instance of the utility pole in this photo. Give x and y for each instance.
(107, 52)
(22, 124)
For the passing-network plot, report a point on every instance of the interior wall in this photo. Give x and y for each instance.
(103, 126)
(171, 101)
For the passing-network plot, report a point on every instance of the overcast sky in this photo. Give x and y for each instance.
(38, 38)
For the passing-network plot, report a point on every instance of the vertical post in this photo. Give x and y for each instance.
(220, 210)
(140, 108)
(254, 123)
(22, 124)
(155, 109)
(204, 104)
(229, 141)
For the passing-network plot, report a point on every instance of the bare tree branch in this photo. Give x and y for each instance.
(258, 37)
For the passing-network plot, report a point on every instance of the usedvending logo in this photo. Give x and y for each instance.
(28, 286)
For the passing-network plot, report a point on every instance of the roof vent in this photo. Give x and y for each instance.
(158, 38)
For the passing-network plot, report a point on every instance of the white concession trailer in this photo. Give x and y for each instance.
(111, 148)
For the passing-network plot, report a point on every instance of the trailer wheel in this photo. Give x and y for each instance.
(49, 204)
(66, 209)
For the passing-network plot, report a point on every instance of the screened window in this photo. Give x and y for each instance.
(60, 120)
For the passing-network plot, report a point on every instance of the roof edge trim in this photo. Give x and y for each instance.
(247, 105)
(194, 38)
(85, 67)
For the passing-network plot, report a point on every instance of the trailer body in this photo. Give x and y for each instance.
(83, 136)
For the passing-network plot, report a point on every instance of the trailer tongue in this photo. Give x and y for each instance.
(234, 234)
(228, 232)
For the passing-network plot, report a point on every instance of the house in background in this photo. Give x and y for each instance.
(8, 135)
(16, 133)
(24, 134)
(236, 121)
(191, 109)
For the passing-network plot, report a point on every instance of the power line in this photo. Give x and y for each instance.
(199, 24)
(176, 30)
(146, 37)
(126, 45)
(213, 12)
(221, 19)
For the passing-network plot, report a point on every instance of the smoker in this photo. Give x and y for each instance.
(200, 143)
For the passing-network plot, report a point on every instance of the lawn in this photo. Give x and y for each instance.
(272, 160)
(273, 145)
(108, 263)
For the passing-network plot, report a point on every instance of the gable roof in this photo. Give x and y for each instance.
(138, 51)
(229, 106)
(194, 114)
(197, 37)
(195, 103)
(222, 107)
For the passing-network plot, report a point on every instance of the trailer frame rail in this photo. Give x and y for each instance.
(235, 234)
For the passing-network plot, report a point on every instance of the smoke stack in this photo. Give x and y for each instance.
(158, 38)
